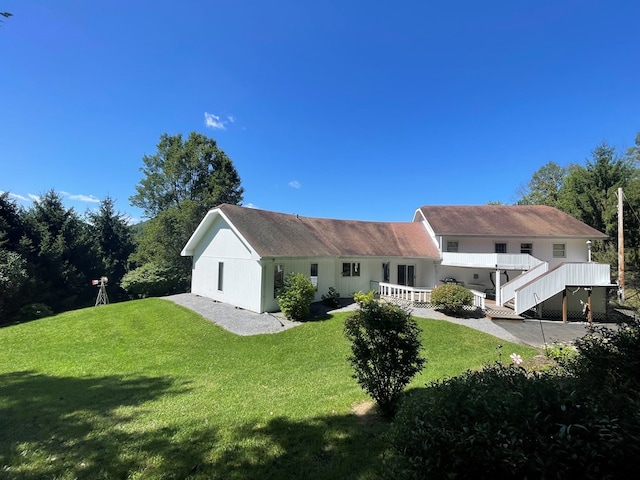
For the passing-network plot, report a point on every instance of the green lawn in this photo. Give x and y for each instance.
(148, 389)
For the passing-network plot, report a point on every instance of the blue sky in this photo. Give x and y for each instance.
(340, 109)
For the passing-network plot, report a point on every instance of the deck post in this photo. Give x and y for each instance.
(498, 293)
(565, 308)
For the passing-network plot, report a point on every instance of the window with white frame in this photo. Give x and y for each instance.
(559, 250)
(452, 246)
(501, 248)
(313, 274)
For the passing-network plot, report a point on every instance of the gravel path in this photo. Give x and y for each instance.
(244, 322)
(236, 320)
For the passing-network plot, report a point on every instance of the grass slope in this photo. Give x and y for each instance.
(148, 389)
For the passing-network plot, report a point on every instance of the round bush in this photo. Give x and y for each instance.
(296, 296)
(385, 346)
(450, 298)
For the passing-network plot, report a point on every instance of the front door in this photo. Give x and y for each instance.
(406, 275)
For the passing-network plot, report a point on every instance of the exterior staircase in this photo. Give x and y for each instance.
(554, 281)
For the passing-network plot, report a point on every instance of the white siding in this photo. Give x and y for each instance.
(242, 270)
(330, 274)
(576, 249)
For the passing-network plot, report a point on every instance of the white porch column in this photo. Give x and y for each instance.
(498, 295)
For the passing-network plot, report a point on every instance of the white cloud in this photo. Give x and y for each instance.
(231, 119)
(34, 198)
(80, 197)
(212, 120)
(16, 196)
(295, 184)
(249, 205)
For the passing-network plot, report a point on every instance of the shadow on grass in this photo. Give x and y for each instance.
(89, 428)
(68, 427)
(331, 447)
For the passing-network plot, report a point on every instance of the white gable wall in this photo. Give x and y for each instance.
(241, 284)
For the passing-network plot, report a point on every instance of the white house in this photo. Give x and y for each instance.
(526, 256)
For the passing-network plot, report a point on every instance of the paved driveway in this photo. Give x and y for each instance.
(539, 332)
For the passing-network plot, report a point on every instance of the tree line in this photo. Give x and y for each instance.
(49, 253)
(588, 192)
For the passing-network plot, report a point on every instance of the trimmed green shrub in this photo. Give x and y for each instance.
(385, 346)
(151, 280)
(331, 298)
(579, 421)
(296, 296)
(451, 298)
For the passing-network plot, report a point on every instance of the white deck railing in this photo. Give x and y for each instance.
(421, 295)
(502, 261)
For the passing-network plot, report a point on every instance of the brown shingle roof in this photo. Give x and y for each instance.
(512, 220)
(284, 235)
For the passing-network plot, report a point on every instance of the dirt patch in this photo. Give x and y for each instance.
(367, 412)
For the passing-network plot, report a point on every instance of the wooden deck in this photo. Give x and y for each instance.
(495, 312)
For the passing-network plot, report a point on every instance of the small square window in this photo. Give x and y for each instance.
(501, 248)
(559, 250)
(452, 246)
(526, 248)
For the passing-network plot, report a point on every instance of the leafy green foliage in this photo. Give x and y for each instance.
(385, 346)
(296, 296)
(151, 280)
(451, 298)
(608, 358)
(579, 421)
(589, 193)
(544, 186)
(194, 169)
(182, 181)
(362, 298)
(331, 298)
(13, 276)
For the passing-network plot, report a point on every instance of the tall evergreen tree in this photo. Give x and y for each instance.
(62, 257)
(589, 193)
(114, 242)
(11, 223)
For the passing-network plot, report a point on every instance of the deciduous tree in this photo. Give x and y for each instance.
(182, 181)
(544, 186)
